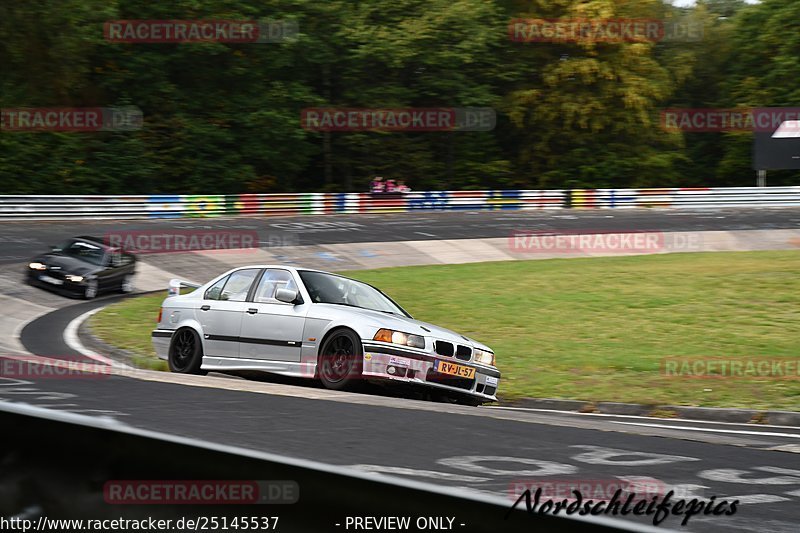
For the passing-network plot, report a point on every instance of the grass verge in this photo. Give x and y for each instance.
(595, 329)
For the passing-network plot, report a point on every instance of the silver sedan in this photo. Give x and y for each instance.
(314, 324)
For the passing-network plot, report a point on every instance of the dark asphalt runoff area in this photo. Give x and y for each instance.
(489, 449)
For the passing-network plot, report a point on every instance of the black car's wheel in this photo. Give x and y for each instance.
(127, 284)
(341, 360)
(186, 352)
(90, 291)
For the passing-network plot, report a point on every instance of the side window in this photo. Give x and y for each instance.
(272, 280)
(215, 290)
(238, 285)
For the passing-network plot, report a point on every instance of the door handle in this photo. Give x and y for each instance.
(252, 311)
(205, 307)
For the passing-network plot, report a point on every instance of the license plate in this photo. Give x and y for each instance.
(48, 279)
(455, 370)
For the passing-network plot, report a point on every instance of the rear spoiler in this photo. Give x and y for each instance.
(175, 285)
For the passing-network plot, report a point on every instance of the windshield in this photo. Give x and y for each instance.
(332, 289)
(85, 251)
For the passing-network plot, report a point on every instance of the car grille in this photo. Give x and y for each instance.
(444, 348)
(57, 274)
(463, 352)
(485, 389)
(447, 349)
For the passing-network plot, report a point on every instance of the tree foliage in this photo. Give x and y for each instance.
(225, 117)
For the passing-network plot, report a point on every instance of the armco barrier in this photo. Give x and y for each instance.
(685, 197)
(57, 465)
(175, 206)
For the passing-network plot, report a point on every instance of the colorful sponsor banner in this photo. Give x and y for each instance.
(508, 199)
(165, 206)
(176, 206)
(204, 206)
(243, 204)
(621, 198)
(429, 200)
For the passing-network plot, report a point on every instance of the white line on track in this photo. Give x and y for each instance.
(72, 340)
(635, 417)
(757, 498)
(399, 470)
(713, 430)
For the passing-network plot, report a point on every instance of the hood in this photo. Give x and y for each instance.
(410, 325)
(66, 265)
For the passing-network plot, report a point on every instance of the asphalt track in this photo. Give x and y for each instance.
(20, 240)
(484, 449)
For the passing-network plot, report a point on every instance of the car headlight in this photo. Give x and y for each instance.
(398, 337)
(37, 266)
(74, 279)
(484, 357)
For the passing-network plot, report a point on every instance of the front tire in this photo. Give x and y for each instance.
(127, 284)
(186, 353)
(91, 289)
(341, 360)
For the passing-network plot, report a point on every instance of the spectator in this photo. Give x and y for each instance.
(377, 185)
(402, 187)
(390, 186)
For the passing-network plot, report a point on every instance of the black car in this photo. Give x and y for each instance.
(83, 266)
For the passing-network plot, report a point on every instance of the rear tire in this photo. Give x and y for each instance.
(341, 361)
(186, 353)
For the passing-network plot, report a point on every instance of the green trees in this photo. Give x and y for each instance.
(225, 117)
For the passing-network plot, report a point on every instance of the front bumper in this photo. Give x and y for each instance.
(400, 364)
(58, 283)
(161, 340)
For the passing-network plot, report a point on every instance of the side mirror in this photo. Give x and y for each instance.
(213, 294)
(288, 296)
